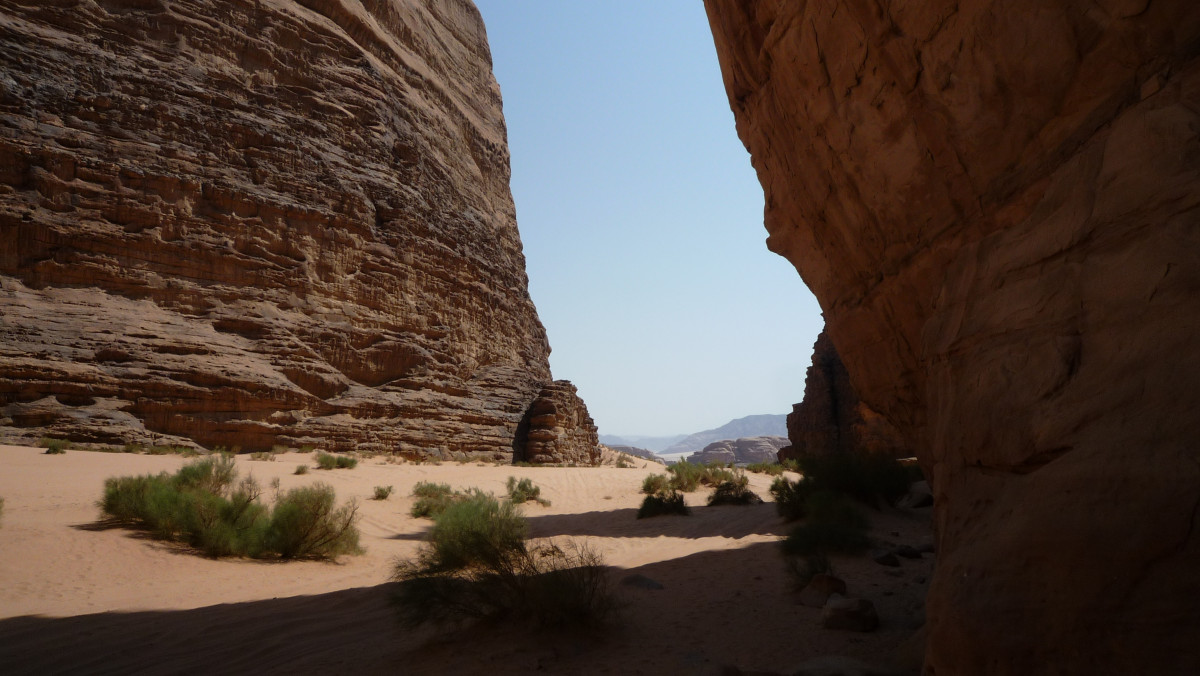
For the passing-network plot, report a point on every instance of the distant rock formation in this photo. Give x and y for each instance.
(744, 451)
(653, 444)
(245, 224)
(832, 419)
(997, 205)
(749, 426)
(637, 452)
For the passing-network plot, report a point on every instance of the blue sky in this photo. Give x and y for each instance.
(641, 217)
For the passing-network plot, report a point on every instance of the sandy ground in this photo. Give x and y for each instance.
(79, 598)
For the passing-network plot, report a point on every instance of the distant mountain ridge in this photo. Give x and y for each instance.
(649, 443)
(765, 425)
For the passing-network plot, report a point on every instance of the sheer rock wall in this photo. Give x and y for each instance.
(247, 223)
(997, 205)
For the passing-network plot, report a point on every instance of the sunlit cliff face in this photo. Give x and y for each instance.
(244, 225)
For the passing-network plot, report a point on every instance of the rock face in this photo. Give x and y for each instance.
(742, 451)
(997, 205)
(247, 223)
(832, 419)
(558, 429)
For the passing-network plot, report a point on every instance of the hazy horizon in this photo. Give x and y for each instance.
(641, 218)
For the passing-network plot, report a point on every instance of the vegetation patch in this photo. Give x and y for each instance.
(520, 492)
(206, 506)
(301, 469)
(477, 565)
(834, 524)
(54, 446)
(734, 492)
(668, 502)
(769, 468)
(655, 483)
(433, 499)
(868, 478)
(688, 476)
(331, 461)
(382, 493)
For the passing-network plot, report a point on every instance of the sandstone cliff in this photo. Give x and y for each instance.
(247, 223)
(997, 205)
(832, 419)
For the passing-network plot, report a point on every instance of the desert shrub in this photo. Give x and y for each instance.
(623, 462)
(685, 476)
(801, 569)
(866, 477)
(790, 497)
(520, 492)
(734, 492)
(790, 465)
(834, 525)
(769, 468)
(306, 524)
(301, 469)
(432, 499)
(382, 492)
(204, 505)
(477, 530)
(331, 461)
(54, 446)
(262, 455)
(663, 503)
(655, 483)
(476, 565)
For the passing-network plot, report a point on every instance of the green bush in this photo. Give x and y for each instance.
(54, 446)
(477, 530)
(306, 524)
(663, 503)
(655, 483)
(868, 478)
(432, 499)
(834, 525)
(382, 492)
(769, 468)
(790, 497)
(331, 461)
(734, 492)
(204, 505)
(523, 491)
(685, 476)
(301, 469)
(476, 564)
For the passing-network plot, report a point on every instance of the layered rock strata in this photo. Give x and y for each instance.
(254, 223)
(744, 451)
(997, 205)
(832, 419)
(558, 429)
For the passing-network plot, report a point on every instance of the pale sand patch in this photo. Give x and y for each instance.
(80, 600)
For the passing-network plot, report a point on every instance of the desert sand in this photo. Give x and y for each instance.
(79, 598)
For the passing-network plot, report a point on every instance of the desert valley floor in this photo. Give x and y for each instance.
(76, 597)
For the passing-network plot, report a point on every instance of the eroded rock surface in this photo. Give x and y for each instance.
(997, 205)
(832, 419)
(746, 450)
(558, 429)
(247, 223)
